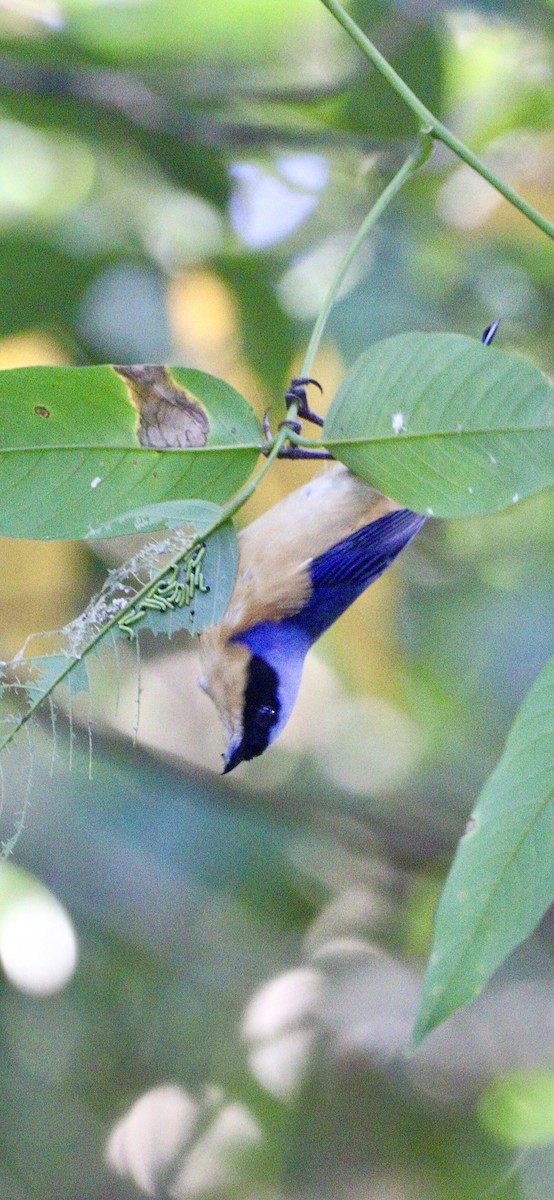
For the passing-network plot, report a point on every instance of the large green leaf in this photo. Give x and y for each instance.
(81, 446)
(219, 566)
(445, 425)
(502, 879)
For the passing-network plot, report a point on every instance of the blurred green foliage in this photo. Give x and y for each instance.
(177, 181)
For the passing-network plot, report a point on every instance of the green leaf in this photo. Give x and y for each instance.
(219, 570)
(445, 425)
(81, 446)
(502, 878)
(219, 567)
(196, 515)
(46, 671)
(34, 678)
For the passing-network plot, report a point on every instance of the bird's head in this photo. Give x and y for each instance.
(253, 680)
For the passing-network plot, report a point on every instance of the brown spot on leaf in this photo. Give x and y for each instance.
(41, 411)
(170, 418)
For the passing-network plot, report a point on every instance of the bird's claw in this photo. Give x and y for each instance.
(294, 426)
(296, 394)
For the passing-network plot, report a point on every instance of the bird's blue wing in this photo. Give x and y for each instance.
(344, 571)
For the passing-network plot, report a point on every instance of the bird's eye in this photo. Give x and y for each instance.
(261, 707)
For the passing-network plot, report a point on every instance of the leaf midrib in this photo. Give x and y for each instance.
(420, 435)
(364, 439)
(104, 448)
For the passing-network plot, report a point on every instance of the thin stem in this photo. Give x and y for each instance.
(408, 168)
(436, 128)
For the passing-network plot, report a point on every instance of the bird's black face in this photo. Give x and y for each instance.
(261, 712)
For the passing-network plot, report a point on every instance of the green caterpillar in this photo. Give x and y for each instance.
(171, 592)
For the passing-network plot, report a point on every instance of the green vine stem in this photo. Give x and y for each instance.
(408, 168)
(437, 130)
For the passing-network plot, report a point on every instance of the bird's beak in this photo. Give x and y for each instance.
(233, 757)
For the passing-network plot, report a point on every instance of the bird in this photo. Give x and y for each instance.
(301, 564)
